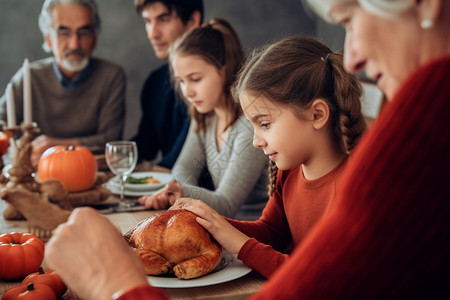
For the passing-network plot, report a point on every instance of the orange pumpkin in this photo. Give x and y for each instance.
(30, 292)
(20, 254)
(49, 278)
(4, 142)
(75, 167)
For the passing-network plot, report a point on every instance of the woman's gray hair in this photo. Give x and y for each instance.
(45, 18)
(382, 8)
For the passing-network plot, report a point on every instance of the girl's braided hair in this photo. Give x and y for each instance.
(297, 70)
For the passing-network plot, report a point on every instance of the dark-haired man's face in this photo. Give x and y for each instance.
(163, 27)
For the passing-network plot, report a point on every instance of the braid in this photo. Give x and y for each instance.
(273, 170)
(352, 127)
(349, 121)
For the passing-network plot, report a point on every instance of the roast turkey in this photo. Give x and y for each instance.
(172, 242)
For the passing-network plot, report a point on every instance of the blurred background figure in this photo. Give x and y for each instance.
(76, 99)
(123, 37)
(165, 122)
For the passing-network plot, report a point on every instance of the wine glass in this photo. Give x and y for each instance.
(121, 157)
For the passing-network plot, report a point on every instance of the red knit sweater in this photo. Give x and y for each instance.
(388, 232)
(295, 207)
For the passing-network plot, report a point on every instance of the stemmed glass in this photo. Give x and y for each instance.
(121, 157)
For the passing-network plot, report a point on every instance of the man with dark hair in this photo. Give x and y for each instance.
(165, 121)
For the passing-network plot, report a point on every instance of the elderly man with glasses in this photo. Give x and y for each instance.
(76, 99)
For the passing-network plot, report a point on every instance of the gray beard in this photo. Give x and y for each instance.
(74, 65)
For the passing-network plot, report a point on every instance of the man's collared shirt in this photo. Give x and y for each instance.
(71, 85)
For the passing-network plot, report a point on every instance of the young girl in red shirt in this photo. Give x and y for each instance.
(306, 114)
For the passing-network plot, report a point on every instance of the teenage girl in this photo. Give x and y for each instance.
(204, 64)
(306, 114)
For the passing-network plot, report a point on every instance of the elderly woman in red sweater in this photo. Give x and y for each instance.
(387, 235)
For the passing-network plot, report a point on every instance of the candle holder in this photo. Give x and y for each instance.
(21, 171)
(45, 204)
(2, 164)
(26, 197)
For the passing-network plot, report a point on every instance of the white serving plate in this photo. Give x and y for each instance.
(229, 269)
(163, 178)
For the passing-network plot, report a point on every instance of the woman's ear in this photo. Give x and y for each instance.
(429, 10)
(320, 112)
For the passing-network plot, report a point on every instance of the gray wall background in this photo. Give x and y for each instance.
(123, 39)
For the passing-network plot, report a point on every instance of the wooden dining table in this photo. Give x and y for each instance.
(239, 288)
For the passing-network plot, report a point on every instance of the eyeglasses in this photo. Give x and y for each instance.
(64, 34)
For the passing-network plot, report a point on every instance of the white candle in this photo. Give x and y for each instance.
(10, 106)
(26, 92)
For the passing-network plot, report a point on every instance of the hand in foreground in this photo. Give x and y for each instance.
(43, 142)
(228, 236)
(92, 257)
(164, 197)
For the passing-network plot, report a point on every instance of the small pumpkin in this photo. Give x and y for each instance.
(74, 166)
(4, 142)
(20, 254)
(47, 277)
(31, 291)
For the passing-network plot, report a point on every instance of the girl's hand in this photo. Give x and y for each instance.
(164, 197)
(229, 237)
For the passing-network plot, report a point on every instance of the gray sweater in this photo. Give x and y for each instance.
(238, 170)
(93, 112)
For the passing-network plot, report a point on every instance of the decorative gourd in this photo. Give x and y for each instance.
(4, 142)
(20, 255)
(49, 278)
(30, 292)
(75, 167)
